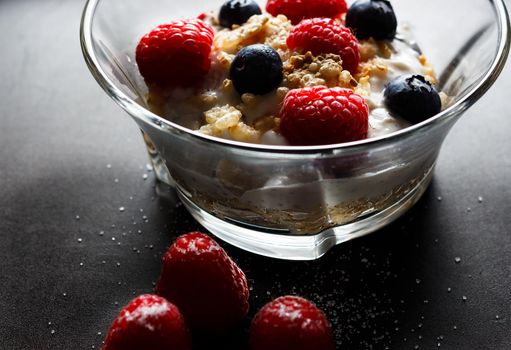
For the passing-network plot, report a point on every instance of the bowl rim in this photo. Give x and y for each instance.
(138, 111)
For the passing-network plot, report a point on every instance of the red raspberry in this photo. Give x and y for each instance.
(325, 35)
(176, 54)
(149, 322)
(202, 280)
(290, 323)
(296, 10)
(318, 115)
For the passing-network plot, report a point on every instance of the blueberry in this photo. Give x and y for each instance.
(256, 69)
(412, 98)
(237, 12)
(372, 18)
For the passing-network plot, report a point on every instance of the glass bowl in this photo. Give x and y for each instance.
(298, 202)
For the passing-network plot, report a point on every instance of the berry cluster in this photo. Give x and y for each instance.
(201, 289)
(310, 116)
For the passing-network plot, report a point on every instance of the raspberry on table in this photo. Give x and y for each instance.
(296, 10)
(205, 283)
(323, 36)
(290, 323)
(319, 115)
(176, 54)
(148, 322)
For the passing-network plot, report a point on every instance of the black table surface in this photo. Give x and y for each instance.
(70, 257)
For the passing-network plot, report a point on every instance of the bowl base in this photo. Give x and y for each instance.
(274, 244)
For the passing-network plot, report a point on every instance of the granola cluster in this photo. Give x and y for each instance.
(261, 29)
(308, 70)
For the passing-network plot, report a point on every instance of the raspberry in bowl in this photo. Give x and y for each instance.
(288, 162)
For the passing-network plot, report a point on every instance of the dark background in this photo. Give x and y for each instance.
(69, 258)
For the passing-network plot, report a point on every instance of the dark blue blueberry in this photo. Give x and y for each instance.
(237, 12)
(256, 69)
(412, 98)
(372, 19)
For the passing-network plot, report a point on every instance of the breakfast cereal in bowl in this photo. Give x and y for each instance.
(289, 126)
(244, 71)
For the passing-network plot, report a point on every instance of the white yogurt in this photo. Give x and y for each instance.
(404, 60)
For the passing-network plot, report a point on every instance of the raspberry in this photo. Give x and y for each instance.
(176, 54)
(325, 35)
(296, 10)
(318, 115)
(202, 280)
(149, 322)
(290, 323)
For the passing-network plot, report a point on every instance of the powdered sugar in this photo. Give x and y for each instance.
(146, 313)
(284, 312)
(200, 247)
